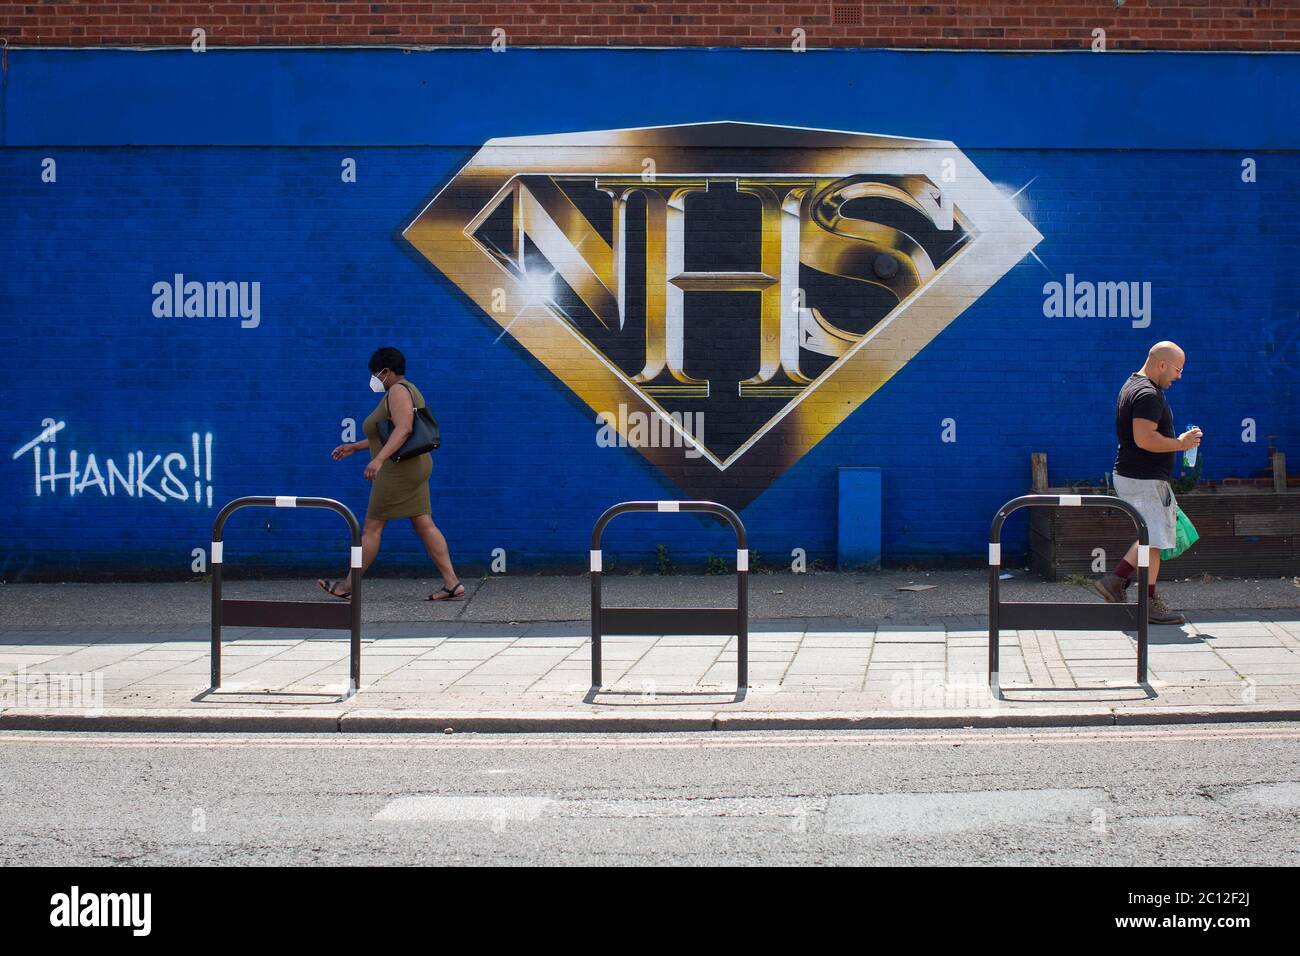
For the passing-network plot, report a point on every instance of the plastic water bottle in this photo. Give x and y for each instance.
(1189, 456)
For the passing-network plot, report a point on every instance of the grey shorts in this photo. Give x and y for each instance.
(1155, 501)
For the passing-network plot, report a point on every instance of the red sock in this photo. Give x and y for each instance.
(1151, 590)
(1124, 569)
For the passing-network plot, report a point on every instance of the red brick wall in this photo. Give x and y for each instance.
(1019, 25)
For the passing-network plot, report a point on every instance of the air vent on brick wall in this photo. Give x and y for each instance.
(846, 15)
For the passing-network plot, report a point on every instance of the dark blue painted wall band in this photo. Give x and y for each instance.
(380, 97)
(203, 399)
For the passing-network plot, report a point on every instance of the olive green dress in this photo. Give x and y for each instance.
(401, 489)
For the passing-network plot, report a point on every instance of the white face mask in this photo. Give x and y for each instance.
(375, 384)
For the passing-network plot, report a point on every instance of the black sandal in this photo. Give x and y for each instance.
(452, 593)
(328, 586)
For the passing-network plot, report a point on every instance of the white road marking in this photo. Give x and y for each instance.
(931, 814)
(1281, 795)
(496, 810)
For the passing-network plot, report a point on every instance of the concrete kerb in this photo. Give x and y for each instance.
(413, 721)
(387, 722)
(171, 721)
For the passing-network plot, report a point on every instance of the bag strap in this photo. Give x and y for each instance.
(414, 407)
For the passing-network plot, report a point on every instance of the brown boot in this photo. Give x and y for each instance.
(1111, 586)
(1159, 613)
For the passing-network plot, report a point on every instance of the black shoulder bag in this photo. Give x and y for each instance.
(424, 436)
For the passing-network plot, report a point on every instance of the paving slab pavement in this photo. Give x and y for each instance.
(835, 673)
(826, 649)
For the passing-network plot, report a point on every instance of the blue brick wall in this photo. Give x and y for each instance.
(519, 468)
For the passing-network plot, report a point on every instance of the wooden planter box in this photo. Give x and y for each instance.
(1247, 530)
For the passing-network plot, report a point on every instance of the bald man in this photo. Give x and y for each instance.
(1144, 464)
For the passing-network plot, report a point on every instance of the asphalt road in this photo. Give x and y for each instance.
(1189, 795)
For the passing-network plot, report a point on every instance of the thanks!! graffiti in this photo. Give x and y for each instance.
(168, 475)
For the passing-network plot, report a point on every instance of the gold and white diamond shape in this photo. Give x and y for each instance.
(443, 232)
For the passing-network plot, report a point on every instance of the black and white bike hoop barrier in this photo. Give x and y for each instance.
(673, 620)
(338, 615)
(1066, 616)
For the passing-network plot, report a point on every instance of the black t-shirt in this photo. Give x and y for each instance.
(1141, 398)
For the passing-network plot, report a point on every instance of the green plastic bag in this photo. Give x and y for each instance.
(1184, 538)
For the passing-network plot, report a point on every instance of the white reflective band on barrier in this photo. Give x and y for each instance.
(995, 553)
(1144, 555)
(595, 560)
(1071, 500)
(670, 506)
(285, 501)
(742, 559)
(356, 557)
(216, 552)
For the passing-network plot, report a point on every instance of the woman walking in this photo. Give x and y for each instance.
(400, 489)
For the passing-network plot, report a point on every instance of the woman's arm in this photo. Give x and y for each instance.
(348, 448)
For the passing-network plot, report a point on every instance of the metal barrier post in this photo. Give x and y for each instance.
(672, 620)
(1065, 616)
(313, 614)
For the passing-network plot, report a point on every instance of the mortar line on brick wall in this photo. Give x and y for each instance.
(781, 50)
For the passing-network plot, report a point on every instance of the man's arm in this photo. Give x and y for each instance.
(1146, 435)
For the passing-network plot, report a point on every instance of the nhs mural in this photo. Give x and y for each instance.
(722, 295)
